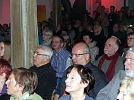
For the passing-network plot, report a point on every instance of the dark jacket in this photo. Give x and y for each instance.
(100, 81)
(46, 80)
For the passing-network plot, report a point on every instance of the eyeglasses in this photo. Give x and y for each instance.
(77, 55)
(130, 38)
(11, 80)
(129, 59)
(40, 54)
(56, 42)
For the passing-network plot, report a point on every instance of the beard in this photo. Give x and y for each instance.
(129, 72)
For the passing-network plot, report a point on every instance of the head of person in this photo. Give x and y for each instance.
(111, 46)
(112, 8)
(116, 27)
(126, 91)
(122, 27)
(102, 8)
(5, 50)
(66, 39)
(59, 26)
(89, 27)
(80, 53)
(88, 37)
(47, 34)
(131, 13)
(130, 29)
(57, 43)
(130, 39)
(79, 78)
(5, 69)
(20, 81)
(129, 62)
(97, 29)
(42, 55)
(69, 26)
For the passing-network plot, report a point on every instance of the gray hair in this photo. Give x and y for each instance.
(85, 48)
(46, 49)
(131, 49)
(48, 32)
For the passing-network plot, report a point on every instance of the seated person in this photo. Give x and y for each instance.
(126, 91)
(79, 81)
(5, 70)
(21, 85)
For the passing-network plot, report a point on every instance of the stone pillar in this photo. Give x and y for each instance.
(57, 17)
(24, 36)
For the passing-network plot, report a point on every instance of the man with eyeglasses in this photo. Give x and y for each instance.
(110, 91)
(130, 43)
(45, 73)
(80, 55)
(61, 57)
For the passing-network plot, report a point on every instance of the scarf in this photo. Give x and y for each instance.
(111, 67)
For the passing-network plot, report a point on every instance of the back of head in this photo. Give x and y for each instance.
(26, 78)
(5, 67)
(128, 82)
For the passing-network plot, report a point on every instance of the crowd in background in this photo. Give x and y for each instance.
(99, 42)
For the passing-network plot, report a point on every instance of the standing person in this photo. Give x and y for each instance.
(82, 77)
(112, 17)
(61, 57)
(5, 50)
(45, 73)
(21, 85)
(110, 91)
(81, 55)
(111, 62)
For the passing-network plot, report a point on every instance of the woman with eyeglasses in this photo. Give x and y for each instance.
(79, 81)
(21, 85)
(126, 91)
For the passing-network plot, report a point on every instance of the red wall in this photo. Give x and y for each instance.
(5, 12)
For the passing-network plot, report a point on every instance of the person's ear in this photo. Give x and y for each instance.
(85, 84)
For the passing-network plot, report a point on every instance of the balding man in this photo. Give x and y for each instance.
(110, 62)
(80, 55)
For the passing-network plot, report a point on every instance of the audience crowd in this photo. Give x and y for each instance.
(85, 59)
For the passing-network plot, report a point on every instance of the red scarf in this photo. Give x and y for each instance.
(111, 67)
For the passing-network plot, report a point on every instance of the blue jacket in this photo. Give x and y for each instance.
(100, 81)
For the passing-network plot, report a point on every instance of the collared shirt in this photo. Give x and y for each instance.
(60, 61)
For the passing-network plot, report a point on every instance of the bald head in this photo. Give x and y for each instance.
(80, 53)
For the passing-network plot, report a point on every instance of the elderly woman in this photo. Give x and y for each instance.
(5, 70)
(79, 81)
(126, 91)
(21, 85)
(5, 50)
(47, 37)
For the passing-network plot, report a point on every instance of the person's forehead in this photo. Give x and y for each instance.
(39, 50)
(11, 76)
(77, 49)
(56, 38)
(111, 41)
(74, 72)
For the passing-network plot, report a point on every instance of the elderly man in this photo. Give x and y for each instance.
(110, 91)
(80, 55)
(110, 62)
(45, 73)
